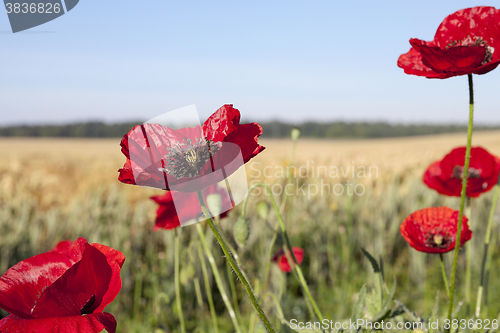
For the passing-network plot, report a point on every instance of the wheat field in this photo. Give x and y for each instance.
(55, 189)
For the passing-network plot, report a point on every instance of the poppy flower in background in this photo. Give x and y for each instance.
(167, 214)
(466, 42)
(62, 291)
(434, 230)
(281, 260)
(445, 176)
(191, 158)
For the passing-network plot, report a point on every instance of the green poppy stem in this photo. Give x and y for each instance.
(464, 194)
(218, 280)
(487, 239)
(445, 278)
(208, 291)
(232, 286)
(468, 256)
(176, 280)
(288, 244)
(233, 264)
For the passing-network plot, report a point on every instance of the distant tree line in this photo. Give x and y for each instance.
(362, 130)
(274, 129)
(78, 130)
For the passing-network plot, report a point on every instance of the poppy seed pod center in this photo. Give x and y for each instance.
(438, 240)
(458, 172)
(186, 158)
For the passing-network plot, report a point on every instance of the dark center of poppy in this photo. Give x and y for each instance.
(438, 240)
(475, 41)
(458, 172)
(186, 158)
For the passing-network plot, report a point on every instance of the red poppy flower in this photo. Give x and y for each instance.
(466, 42)
(445, 176)
(191, 158)
(434, 230)
(169, 213)
(282, 261)
(62, 291)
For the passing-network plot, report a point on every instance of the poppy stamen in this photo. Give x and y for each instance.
(186, 158)
(458, 172)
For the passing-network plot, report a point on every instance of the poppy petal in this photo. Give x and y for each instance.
(441, 175)
(455, 59)
(479, 21)
(23, 283)
(246, 138)
(92, 323)
(221, 123)
(420, 228)
(115, 260)
(466, 42)
(79, 290)
(282, 259)
(148, 146)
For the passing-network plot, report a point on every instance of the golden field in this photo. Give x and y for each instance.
(60, 165)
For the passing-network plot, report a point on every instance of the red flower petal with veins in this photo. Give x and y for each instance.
(282, 261)
(434, 230)
(167, 214)
(64, 290)
(466, 42)
(192, 158)
(445, 176)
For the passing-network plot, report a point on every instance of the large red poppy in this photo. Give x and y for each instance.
(434, 230)
(168, 213)
(466, 42)
(191, 158)
(62, 291)
(445, 176)
(282, 261)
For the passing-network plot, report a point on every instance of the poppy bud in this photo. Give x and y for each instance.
(295, 134)
(241, 231)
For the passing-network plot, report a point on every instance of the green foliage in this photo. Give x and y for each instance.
(331, 229)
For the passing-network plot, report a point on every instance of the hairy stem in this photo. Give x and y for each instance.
(233, 264)
(468, 260)
(464, 194)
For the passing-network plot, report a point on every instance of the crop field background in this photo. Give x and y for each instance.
(58, 189)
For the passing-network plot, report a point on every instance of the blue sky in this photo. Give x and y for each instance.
(287, 60)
